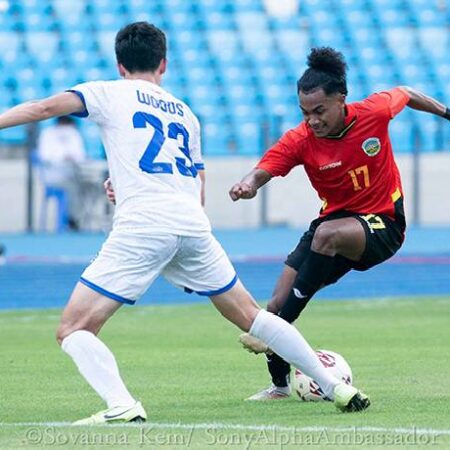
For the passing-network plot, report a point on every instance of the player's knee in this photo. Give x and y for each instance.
(275, 303)
(61, 333)
(326, 239)
(247, 319)
(64, 330)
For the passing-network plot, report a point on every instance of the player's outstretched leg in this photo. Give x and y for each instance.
(239, 307)
(81, 320)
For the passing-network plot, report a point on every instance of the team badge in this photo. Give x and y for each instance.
(371, 146)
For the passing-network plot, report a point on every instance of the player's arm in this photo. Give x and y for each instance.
(249, 185)
(34, 111)
(202, 175)
(109, 189)
(422, 102)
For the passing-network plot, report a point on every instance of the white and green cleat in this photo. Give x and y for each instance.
(118, 414)
(348, 399)
(272, 393)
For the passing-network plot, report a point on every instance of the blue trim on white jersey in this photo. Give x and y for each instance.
(84, 113)
(199, 166)
(216, 292)
(106, 293)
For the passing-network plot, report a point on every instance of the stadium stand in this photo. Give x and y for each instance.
(230, 60)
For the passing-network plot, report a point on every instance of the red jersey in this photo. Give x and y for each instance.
(355, 171)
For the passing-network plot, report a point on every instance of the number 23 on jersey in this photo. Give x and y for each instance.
(147, 162)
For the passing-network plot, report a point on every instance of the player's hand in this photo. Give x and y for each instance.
(110, 194)
(253, 344)
(242, 190)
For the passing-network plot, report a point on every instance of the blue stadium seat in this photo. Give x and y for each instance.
(100, 7)
(61, 79)
(391, 13)
(311, 7)
(40, 7)
(240, 94)
(65, 9)
(10, 22)
(249, 137)
(403, 43)
(199, 75)
(150, 12)
(430, 13)
(401, 135)
(244, 6)
(253, 21)
(186, 40)
(105, 42)
(233, 74)
(10, 41)
(324, 36)
(294, 44)
(230, 59)
(37, 21)
(43, 46)
(179, 20)
(108, 21)
(436, 42)
(217, 21)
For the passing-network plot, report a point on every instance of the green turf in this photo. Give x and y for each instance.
(184, 364)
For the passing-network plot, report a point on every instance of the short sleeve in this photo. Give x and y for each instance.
(394, 100)
(280, 159)
(195, 145)
(95, 100)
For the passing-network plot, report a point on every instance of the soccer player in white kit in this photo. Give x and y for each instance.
(152, 142)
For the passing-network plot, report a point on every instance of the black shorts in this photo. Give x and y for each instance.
(384, 236)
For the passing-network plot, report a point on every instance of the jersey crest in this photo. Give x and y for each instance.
(371, 146)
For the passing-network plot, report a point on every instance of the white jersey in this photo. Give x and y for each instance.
(152, 143)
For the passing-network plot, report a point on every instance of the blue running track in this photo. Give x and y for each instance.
(41, 270)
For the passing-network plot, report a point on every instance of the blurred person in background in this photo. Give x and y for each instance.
(61, 151)
(348, 158)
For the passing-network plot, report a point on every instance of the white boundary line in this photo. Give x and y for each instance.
(240, 427)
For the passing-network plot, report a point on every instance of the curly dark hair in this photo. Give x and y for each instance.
(140, 47)
(327, 69)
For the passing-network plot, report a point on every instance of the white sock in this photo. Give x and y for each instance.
(286, 341)
(98, 366)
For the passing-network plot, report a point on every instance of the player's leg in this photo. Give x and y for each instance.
(83, 317)
(124, 269)
(290, 310)
(303, 265)
(202, 266)
(278, 368)
(239, 307)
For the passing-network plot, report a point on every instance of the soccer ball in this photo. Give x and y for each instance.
(308, 390)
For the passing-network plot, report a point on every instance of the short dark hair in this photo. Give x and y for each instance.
(140, 47)
(327, 69)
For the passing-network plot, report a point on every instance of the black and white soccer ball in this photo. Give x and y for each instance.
(308, 390)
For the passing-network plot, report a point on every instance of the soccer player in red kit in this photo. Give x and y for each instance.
(347, 155)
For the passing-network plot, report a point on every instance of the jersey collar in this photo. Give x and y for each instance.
(349, 121)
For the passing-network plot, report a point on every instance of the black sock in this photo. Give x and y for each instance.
(279, 370)
(313, 274)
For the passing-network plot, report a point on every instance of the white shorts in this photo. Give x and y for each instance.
(128, 264)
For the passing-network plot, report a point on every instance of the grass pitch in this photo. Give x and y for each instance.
(185, 365)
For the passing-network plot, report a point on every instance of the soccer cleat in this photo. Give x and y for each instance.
(253, 344)
(271, 393)
(348, 399)
(118, 414)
